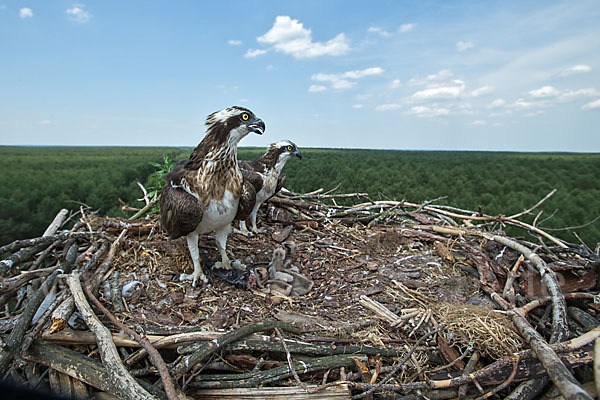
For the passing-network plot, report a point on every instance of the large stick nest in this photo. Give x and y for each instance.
(385, 274)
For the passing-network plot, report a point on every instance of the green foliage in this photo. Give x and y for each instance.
(38, 181)
(156, 179)
(499, 182)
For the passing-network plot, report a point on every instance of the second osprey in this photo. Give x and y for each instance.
(266, 177)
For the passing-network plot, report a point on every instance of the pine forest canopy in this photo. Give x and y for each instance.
(38, 181)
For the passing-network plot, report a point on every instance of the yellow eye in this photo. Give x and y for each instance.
(245, 117)
(290, 148)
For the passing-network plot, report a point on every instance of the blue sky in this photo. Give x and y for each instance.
(448, 75)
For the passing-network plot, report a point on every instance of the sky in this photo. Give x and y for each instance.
(411, 75)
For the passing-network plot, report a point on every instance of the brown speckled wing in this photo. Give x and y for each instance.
(253, 178)
(180, 212)
(247, 201)
(280, 183)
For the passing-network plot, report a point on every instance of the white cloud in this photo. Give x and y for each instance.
(357, 106)
(406, 28)
(428, 112)
(342, 81)
(478, 122)
(545, 91)
(442, 75)
(234, 42)
(533, 114)
(576, 69)
(496, 103)
(25, 12)
(252, 53)
(357, 74)
(388, 107)
(547, 96)
(44, 122)
(521, 103)
(336, 80)
(593, 105)
(482, 91)
(462, 46)
(290, 37)
(316, 88)
(452, 91)
(573, 94)
(378, 30)
(78, 14)
(396, 84)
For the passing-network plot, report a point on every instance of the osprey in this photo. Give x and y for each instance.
(266, 177)
(206, 192)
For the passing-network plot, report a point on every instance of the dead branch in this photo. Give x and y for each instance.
(43, 240)
(399, 365)
(88, 370)
(120, 381)
(539, 203)
(188, 362)
(155, 356)
(144, 210)
(254, 379)
(13, 343)
(56, 223)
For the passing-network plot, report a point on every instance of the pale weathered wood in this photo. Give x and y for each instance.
(71, 337)
(76, 365)
(15, 339)
(274, 393)
(188, 362)
(120, 380)
(56, 223)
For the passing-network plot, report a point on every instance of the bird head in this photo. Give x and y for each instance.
(285, 149)
(233, 123)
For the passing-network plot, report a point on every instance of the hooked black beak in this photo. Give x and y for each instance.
(297, 154)
(257, 126)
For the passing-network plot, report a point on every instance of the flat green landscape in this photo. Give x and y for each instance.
(37, 182)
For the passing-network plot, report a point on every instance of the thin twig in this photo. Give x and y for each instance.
(400, 363)
(504, 384)
(154, 355)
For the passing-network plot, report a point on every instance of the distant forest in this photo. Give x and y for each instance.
(37, 182)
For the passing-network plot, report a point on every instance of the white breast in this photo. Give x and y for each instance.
(218, 213)
(269, 186)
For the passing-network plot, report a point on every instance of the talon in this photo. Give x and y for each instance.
(237, 264)
(223, 265)
(246, 233)
(201, 278)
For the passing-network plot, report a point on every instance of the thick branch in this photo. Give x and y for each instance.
(121, 382)
(155, 356)
(13, 343)
(188, 362)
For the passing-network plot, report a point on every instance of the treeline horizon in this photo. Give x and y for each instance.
(242, 148)
(38, 181)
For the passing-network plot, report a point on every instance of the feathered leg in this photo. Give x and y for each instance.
(221, 239)
(192, 242)
(243, 229)
(253, 215)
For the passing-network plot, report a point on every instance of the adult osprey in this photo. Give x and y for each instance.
(266, 177)
(202, 194)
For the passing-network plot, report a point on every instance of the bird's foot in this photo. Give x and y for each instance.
(194, 278)
(223, 265)
(246, 232)
(237, 264)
